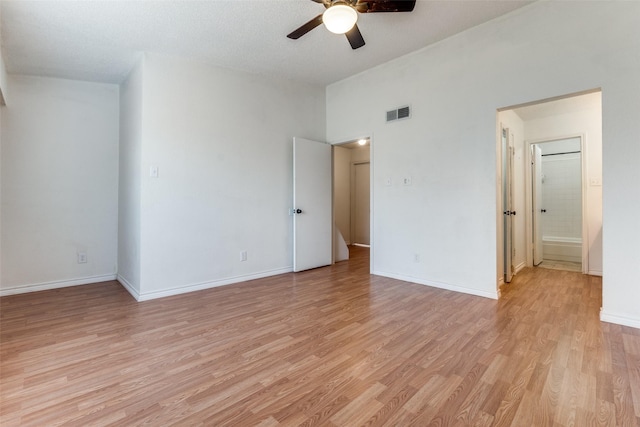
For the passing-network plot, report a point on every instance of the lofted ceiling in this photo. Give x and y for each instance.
(100, 41)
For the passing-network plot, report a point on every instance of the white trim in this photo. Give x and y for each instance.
(499, 211)
(56, 284)
(620, 319)
(595, 273)
(371, 199)
(145, 296)
(129, 287)
(440, 285)
(576, 240)
(519, 267)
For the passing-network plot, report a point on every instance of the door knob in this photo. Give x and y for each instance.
(543, 210)
(298, 211)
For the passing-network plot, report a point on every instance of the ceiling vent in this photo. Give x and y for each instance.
(399, 114)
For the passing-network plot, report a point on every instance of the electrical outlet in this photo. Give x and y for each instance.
(406, 180)
(243, 256)
(154, 171)
(416, 258)
(82, 257)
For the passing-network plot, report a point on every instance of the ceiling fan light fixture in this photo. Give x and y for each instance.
(339, 18)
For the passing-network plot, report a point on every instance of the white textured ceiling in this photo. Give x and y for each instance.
(101, 40)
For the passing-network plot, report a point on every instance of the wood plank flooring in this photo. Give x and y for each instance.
(328, 347)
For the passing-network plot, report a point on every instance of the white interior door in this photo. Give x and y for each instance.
(536, 172)
(311, 204)
(361, 210)
(507, 204)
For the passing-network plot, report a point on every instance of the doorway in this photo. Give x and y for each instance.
(352, 194)
(566, 133)
(556, 190)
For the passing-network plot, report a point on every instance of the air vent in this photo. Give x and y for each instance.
(399, 114)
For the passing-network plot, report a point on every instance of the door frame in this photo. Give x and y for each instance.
(536, 204)
(343, 141)
(529, 194)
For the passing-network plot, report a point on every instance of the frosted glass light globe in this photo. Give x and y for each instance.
(339, 18)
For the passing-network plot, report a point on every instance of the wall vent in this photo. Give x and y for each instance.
(399, 114)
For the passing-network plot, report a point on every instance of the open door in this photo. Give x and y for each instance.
(312, 202)
(507, 202)
(536, 173)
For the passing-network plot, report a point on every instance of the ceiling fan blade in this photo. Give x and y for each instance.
(370, 6)
(355, 37)
(304, 29)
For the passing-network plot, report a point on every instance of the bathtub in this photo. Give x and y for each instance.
(562, 248)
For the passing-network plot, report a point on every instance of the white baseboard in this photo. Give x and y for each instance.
(145, 296)
(520, 266)
(56, 284)
(595, 273)
(447, 286)
(129, 287)
(620, 319)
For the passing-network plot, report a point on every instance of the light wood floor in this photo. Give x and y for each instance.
(333, 346)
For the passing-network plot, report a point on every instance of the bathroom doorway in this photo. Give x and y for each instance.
(556, 199)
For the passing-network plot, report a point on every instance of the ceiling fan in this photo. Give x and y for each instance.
(340, 17)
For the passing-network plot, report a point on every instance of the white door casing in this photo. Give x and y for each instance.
(536, 172)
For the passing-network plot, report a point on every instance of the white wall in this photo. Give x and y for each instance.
(562, 196)
(130, 179)
(222, 142)
(3, 83)
(3, 73)
(448, 215)
(59, 183)
(588, 122)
